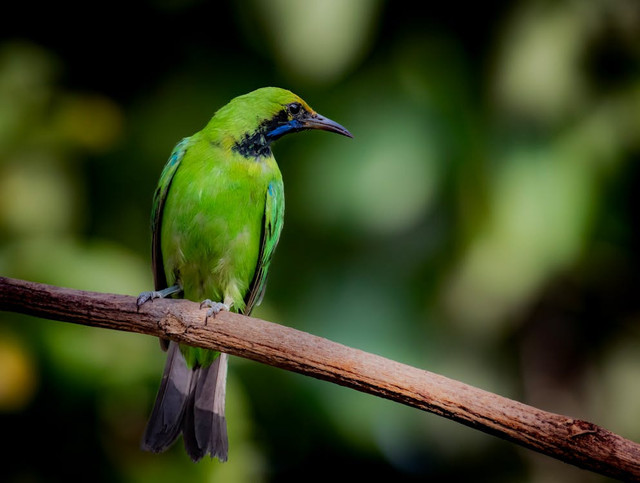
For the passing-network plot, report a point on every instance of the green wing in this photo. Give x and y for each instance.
(273, 221)
(159, 198)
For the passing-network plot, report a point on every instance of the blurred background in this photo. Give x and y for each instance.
(483, 224)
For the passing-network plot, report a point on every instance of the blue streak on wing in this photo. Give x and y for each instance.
(271, 229)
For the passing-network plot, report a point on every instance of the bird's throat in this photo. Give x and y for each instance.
(255, 146)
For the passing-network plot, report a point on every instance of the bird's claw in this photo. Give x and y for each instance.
(144, 297)
(214, 308)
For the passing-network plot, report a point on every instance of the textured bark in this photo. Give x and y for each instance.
(574, 441)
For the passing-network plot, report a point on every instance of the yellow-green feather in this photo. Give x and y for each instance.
(217, 214)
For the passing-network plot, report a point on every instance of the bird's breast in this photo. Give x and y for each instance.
(212, 227)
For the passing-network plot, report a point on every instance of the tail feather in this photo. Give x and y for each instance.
(191, 401)
(204, 427)
(211, 425)
(165, 421)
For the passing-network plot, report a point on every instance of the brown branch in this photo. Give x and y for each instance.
(570, 440)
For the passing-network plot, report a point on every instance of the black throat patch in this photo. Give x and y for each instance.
(253, 146)
(256, 145)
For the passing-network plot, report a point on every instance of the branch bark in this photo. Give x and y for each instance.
(573, 441)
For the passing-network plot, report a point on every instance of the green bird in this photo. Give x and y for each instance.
(217, 215)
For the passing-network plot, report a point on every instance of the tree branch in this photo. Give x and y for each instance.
(578, 442)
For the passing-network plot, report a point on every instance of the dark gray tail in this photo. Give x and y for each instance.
(190, 401)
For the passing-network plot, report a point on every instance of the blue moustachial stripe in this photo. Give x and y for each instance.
(292, 125)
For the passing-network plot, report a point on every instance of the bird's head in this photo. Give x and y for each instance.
(255, 120)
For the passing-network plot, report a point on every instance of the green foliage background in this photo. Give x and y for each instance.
(482, 224)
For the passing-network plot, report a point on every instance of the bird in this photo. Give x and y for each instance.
(218, 211)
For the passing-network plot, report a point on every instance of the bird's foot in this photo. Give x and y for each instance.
(214, 308)
(144, 297)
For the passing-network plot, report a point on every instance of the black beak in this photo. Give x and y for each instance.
(316, 121)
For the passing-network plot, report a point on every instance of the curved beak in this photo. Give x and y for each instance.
(316, 121)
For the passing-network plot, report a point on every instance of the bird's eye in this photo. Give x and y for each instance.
(294, 108)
